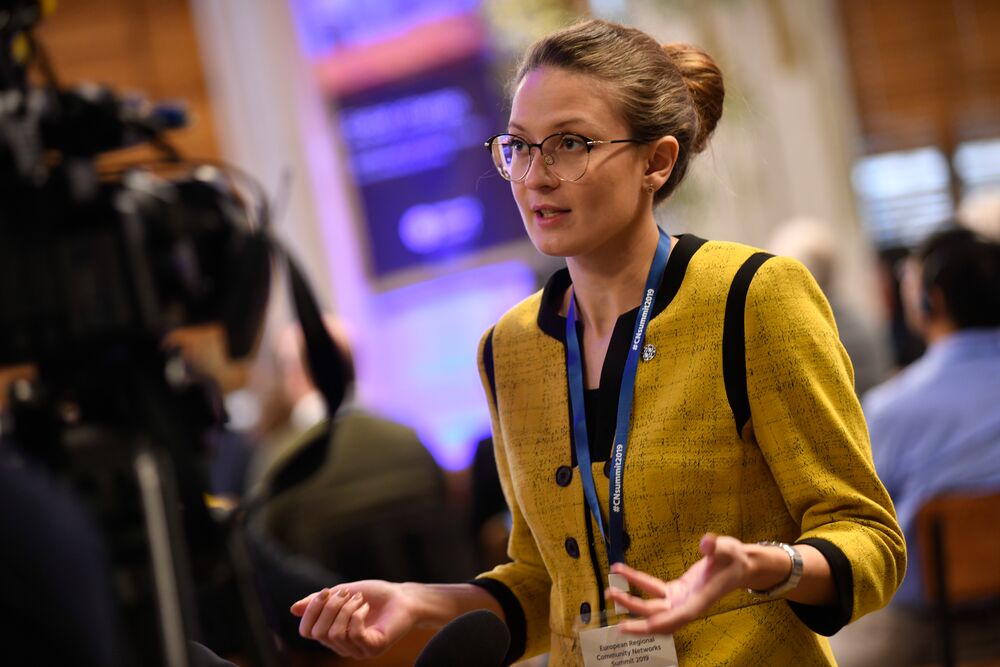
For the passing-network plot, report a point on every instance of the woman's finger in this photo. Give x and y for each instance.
(312, 611)
(641, 580)
(635, 626)
(298, 608)
(331, 610)
(634, 604)
(337, 636)
(337, 632)
(708, 543)
(663, 623)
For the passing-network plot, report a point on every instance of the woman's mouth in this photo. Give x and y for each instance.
(547, 216)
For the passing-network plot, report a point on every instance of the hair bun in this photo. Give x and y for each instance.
(704, 81)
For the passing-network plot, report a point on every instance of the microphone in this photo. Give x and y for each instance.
(476, 638)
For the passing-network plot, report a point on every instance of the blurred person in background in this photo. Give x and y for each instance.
(935, 428)
(489, 516)
(377, 507)
(708, 502)
(814, 244)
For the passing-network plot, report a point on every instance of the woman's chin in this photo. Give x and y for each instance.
(550, 244)
(552, 249)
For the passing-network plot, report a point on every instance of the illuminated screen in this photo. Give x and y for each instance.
(426, 182)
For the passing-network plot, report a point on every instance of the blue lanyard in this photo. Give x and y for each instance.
(574, 368)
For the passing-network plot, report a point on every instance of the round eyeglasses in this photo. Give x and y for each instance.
(565, 154)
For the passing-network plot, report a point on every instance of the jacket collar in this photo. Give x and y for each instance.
(553, 324)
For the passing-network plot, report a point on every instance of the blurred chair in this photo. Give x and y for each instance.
(958, 536)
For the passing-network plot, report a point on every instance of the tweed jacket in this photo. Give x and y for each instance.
(801, 471)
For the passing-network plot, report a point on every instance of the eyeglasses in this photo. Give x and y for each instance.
(565, 154)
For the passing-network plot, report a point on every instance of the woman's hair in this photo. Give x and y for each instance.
(675, 89)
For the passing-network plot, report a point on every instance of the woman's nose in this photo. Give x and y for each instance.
(539, 175)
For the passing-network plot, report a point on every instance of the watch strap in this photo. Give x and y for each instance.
(793, 577)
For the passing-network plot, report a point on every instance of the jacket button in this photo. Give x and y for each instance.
(572, 548)
(585, 612)
(563, 475)
(607, 468)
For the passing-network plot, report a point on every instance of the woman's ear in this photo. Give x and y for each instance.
(662, 160)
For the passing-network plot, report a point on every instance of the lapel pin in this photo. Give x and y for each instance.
(648, 352)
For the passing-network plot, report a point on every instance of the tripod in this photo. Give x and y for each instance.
(124, 424)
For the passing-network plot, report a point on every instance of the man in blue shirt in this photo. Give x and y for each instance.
(935, 427)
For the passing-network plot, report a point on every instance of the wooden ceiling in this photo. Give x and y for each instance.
(135, 46)
(925, 72)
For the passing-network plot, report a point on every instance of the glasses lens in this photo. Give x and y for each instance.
(566, 156)
(511, 155)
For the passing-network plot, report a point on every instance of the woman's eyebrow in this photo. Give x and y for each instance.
(568, 122)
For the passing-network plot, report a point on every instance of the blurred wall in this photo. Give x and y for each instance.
(136, 46)
(272, 124)
(788, 135)
(923, 73)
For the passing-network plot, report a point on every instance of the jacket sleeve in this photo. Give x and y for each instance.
(812, 434)
(522, 586)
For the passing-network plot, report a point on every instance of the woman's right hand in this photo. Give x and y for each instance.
(358, 620)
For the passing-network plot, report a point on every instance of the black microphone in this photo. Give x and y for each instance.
(476, 638)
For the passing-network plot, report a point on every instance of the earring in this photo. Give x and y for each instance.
(650, 187)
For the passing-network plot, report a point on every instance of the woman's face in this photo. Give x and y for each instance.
(603, 208)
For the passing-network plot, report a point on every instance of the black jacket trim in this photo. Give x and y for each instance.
(488, 364)
(734, 348)
(828, 620)
(512, 612)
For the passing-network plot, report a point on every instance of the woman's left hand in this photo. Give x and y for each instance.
(672, 604)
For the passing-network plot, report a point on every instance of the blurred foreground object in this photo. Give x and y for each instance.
(99, 263)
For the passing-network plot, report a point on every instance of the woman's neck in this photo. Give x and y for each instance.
(610, 282)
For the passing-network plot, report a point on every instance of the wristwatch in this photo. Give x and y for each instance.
(793, 577)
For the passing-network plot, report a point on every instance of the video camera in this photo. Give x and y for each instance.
(99, 261)
(92, 257)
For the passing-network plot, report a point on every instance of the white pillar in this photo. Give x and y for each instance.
(272, 120)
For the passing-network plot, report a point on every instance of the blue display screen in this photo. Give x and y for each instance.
(427, 184)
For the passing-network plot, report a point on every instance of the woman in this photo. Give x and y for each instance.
(603, 125)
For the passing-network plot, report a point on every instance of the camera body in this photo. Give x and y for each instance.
(96, 258)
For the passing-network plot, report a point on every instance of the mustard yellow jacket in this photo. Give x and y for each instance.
(801, 472)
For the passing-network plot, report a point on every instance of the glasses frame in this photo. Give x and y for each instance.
(590, 143)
